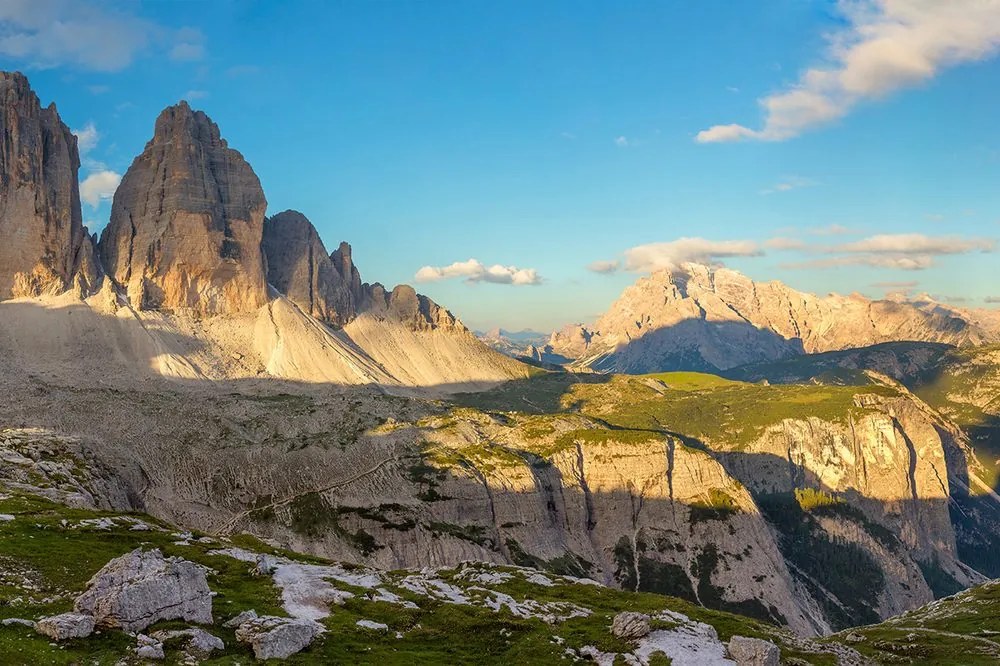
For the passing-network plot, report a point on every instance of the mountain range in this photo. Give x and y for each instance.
(216, 369)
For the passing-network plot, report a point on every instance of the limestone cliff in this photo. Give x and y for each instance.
(43, 240)
(187, 221)
(711, 319)
(326, 286)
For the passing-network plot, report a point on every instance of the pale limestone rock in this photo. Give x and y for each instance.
(142, 587)
(147, 647)
(753, 652)
(41, 226)
(200, 643)
(66, 626)
(704, 318)
(277, 637)
(187, 221)
(630, 626)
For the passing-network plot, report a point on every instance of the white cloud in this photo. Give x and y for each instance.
(192, 95)
(98, 89)
(87, 138)
(99, 186)
(89, 35)
(49, 33)
(657, 256)
(604, 267)
(917, 244)
(622, 142)
(904, 263)
(474, 271)
(889, 45)
(911, 252)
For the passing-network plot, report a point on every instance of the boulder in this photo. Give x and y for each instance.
(630, 626)
(277, 637)
(243, 617)
(142, 587)
(753, 652)
(200, 643)
(65, 626)
(187, 221)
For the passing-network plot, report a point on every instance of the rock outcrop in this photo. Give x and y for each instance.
(326, 286)
(43, 238)
(143, 587)
(66, 626)
(329, 287)
(187, 222)
(277, 637)
(630, 625)
(711, 319)
(754, 652)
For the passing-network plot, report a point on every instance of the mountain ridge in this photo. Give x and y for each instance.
(711, 319)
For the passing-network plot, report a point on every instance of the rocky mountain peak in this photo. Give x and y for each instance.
(40, 220)
(187, 222)
(699, 317)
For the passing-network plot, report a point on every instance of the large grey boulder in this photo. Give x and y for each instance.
(630, 626)
(65, 626)
(277, 637)
(142, 587)
(754, 652)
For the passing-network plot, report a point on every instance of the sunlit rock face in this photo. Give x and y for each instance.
(705, 318)
(40, 222)
(187, 221)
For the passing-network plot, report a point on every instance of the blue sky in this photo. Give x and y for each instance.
(834, 146)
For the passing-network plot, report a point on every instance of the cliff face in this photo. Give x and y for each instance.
(326, 286)
(329, 287)
(703, 318)
(40, 220)
(187, 221)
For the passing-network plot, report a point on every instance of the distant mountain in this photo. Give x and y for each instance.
(711, 319)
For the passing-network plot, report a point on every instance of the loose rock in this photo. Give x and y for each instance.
(277, 637)
(753, 652)
(66, 626)
(630, 626)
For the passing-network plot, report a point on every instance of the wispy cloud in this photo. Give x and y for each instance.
(917, 244)
(896, 251)
(604, 267)
(87, 138)
(94, 36)
(474, 271)
(189, 45)
(788, 183)
(785, 243)
(192, 95)
(903, 263)
(832, 230)
(623, 142)
(889, 45)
